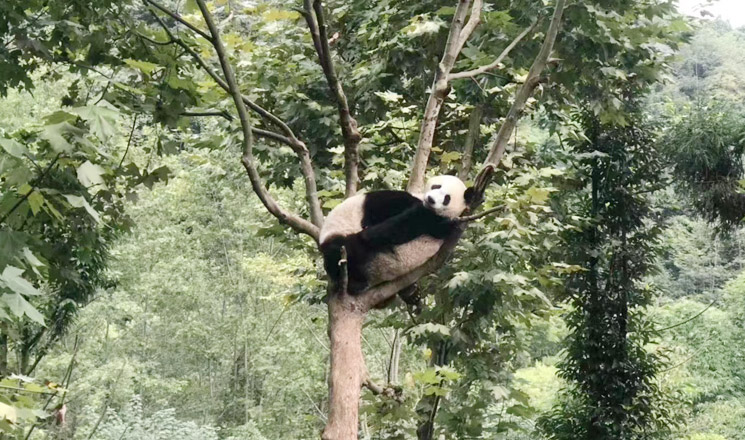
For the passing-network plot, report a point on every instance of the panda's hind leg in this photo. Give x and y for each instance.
(332, 262)
(331, 251)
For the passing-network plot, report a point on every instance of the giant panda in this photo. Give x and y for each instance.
(388, 234)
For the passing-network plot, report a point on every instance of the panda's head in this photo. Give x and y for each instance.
(447, 196)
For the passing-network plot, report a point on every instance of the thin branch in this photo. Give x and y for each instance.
(534, 75)
(498, 60)
(23, 390)
(220, 114)
(437, 95)
(257, 131)
(289, 218)
(155, 42)
(391, 392)
(314, 16)
(180, 19)
(129, 141)
(306, 166)
(33, 187)
(321, 415)
(470, 218)
(689, 319)
(224, 85)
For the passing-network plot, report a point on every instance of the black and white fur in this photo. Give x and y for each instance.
(388, 234)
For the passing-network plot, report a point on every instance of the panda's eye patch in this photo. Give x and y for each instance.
(446, 202)
(436, 186)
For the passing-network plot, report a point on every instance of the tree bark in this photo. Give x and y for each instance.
(474, 133)
(346, 317)
(3, 355)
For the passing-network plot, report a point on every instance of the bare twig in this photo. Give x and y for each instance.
(293, 220)
(129, 141)
(314, 16)
(179, 19)
(498, 60)
(470, 218)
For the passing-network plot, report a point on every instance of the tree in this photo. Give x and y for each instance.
(612, 393)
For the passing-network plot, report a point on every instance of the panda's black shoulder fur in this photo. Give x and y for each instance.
(379, 206)
(392, 218)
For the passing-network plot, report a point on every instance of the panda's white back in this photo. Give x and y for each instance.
(345, 219)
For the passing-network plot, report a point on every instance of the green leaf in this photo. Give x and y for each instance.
(538, 195)
(429, 327)
(428, 376)
(14, 281)
(143, 66)
(35, 201)
(54, 135)
(31, 258)
(450, 156)
(81, 202)
(102, 120)
(89, 174)
(449, 373)
(8, 412)
(278, 14)
(19, 306)
(13, 147)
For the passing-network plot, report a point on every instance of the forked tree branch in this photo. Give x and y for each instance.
(495, 64)
(473, 20)
(289, 218)
(289, 138)
(459, 34)
(314, 16)
(521, 97)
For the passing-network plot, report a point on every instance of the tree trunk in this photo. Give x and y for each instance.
(474, 133)
(3, 355)
(346, 317)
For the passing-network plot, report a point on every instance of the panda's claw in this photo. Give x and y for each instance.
(342, 262)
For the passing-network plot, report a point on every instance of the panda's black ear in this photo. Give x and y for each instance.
(469, 195)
